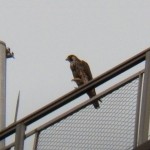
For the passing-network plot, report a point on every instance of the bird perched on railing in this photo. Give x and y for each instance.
(82, 74)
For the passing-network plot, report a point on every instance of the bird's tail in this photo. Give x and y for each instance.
(92, 93)
(96, 104)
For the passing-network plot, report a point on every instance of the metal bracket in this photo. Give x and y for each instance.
(9, 54)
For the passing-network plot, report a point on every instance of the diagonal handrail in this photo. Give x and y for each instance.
(75, 93)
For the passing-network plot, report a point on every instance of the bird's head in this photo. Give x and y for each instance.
(71, 58)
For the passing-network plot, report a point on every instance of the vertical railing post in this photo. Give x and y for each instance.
(20, 136)
(2, 89)
(36, 140)
(136, 133)
(145, 104)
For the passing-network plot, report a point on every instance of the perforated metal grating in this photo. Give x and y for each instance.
(111, 127)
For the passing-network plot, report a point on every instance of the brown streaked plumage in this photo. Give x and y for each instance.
(82, 74)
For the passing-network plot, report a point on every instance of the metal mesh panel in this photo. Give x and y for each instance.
(111, 127)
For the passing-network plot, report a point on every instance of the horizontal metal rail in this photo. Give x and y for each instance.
(75, 93)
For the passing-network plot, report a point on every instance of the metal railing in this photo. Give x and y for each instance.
(112, 126)
(142, 114)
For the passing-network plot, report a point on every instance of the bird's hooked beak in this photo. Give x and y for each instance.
(67, 59)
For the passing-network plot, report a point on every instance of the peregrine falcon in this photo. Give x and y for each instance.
(82, 74)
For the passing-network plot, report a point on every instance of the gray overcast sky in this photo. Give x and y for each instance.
(43, 33)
